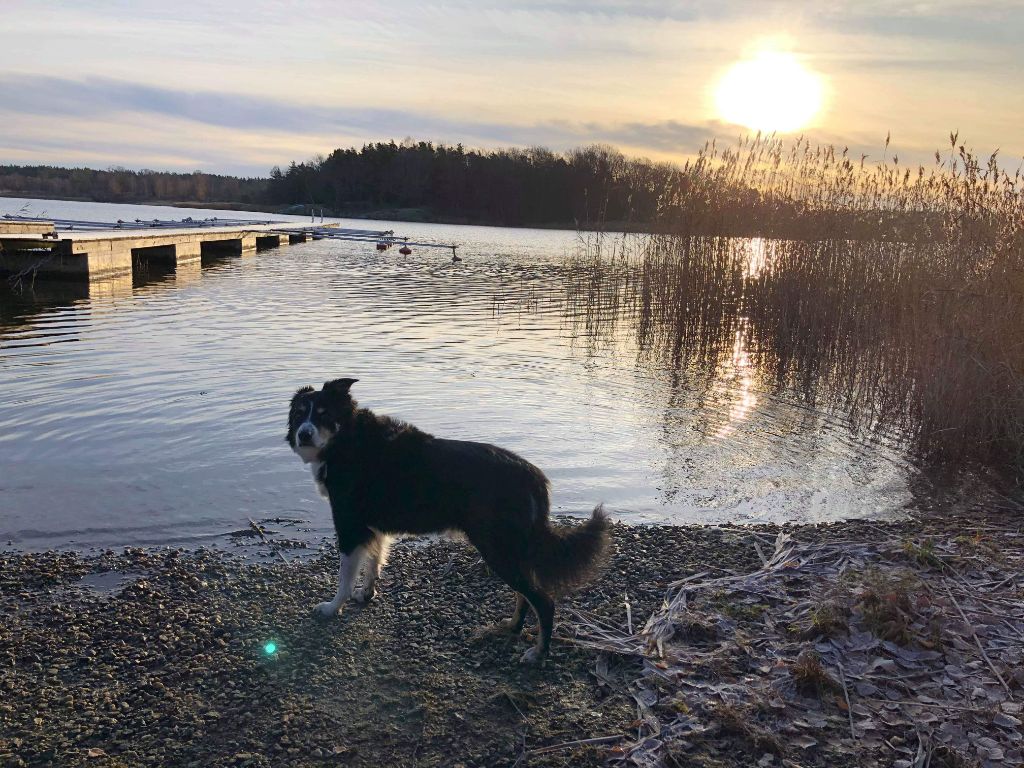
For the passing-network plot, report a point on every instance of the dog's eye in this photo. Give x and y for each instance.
(321, 410)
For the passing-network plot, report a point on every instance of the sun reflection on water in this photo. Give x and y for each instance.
(734, 383)
(756, 254)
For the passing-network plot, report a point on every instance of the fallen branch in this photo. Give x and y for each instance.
(263, 536)
(846, 695)
(977, 641)
(578, 743)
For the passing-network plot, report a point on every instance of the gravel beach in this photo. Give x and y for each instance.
(161, 658)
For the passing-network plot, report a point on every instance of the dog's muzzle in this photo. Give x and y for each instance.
(304, 436)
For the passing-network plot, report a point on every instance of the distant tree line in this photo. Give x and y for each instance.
(120, 185)
(506, 186)
(419, 180)
(719, 192)
(755, 188)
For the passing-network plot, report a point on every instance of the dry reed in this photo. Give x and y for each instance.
(893, 295)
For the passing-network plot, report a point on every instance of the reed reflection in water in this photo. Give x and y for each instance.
(907, 344)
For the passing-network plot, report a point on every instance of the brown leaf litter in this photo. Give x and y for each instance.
(861, 651)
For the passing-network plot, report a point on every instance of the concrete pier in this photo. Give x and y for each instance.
(112, 253)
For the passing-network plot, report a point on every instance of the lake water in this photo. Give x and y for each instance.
(154, 412)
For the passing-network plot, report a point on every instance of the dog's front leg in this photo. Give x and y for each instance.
(348, 568)
(377, 557)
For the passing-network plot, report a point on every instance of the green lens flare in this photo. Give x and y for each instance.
(270, 648)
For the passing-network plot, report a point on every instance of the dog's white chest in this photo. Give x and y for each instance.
(319, 475)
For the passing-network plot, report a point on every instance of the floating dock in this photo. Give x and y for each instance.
(47, 250)
(89, 250)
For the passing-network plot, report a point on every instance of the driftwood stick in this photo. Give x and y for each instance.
(1004, 582)
(938, 705)
(579, 743)
(514, 705)
(846, 695)
(263, 536)
(694, 577)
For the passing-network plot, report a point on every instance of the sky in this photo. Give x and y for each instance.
(239, 87)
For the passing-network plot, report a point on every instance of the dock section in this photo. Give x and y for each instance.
(38, 247)
(88, 251)
(24, 226)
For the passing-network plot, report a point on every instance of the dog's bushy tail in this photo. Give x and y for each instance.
(567, 556)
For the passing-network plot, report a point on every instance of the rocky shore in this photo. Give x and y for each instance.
(697, 646)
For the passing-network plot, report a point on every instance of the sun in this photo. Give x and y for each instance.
(769, 92)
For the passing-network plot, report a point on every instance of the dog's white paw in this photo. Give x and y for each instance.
(364, 594)
(326, 610)
(532, 656)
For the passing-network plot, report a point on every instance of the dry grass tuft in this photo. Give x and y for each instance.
(944, 757)
(810, 674)
(923, 554)
(740, 722)
(692, 627)
(886, 601)
(830, 618)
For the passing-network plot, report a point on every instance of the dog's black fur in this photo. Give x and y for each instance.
(385, 477)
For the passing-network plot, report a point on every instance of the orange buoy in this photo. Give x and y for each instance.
(405, 250)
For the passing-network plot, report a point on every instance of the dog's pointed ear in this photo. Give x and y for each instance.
(338, 387)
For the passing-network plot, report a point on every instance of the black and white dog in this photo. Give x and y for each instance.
(384, 477)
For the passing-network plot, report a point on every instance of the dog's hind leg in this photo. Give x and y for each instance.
(377, 558)
(508, 564)
(348, 568)
(512, 626)
(527, 594)
(544, 607)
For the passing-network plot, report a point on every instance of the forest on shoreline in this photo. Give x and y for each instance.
(419, 181)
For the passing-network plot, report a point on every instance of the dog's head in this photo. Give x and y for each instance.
(315, 417)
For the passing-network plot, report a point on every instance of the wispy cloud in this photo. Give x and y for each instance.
(91, 98)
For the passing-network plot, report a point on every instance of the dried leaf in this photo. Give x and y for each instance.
(1006, 721)
(804, 742)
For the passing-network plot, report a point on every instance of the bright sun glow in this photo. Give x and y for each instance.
(770, 92)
